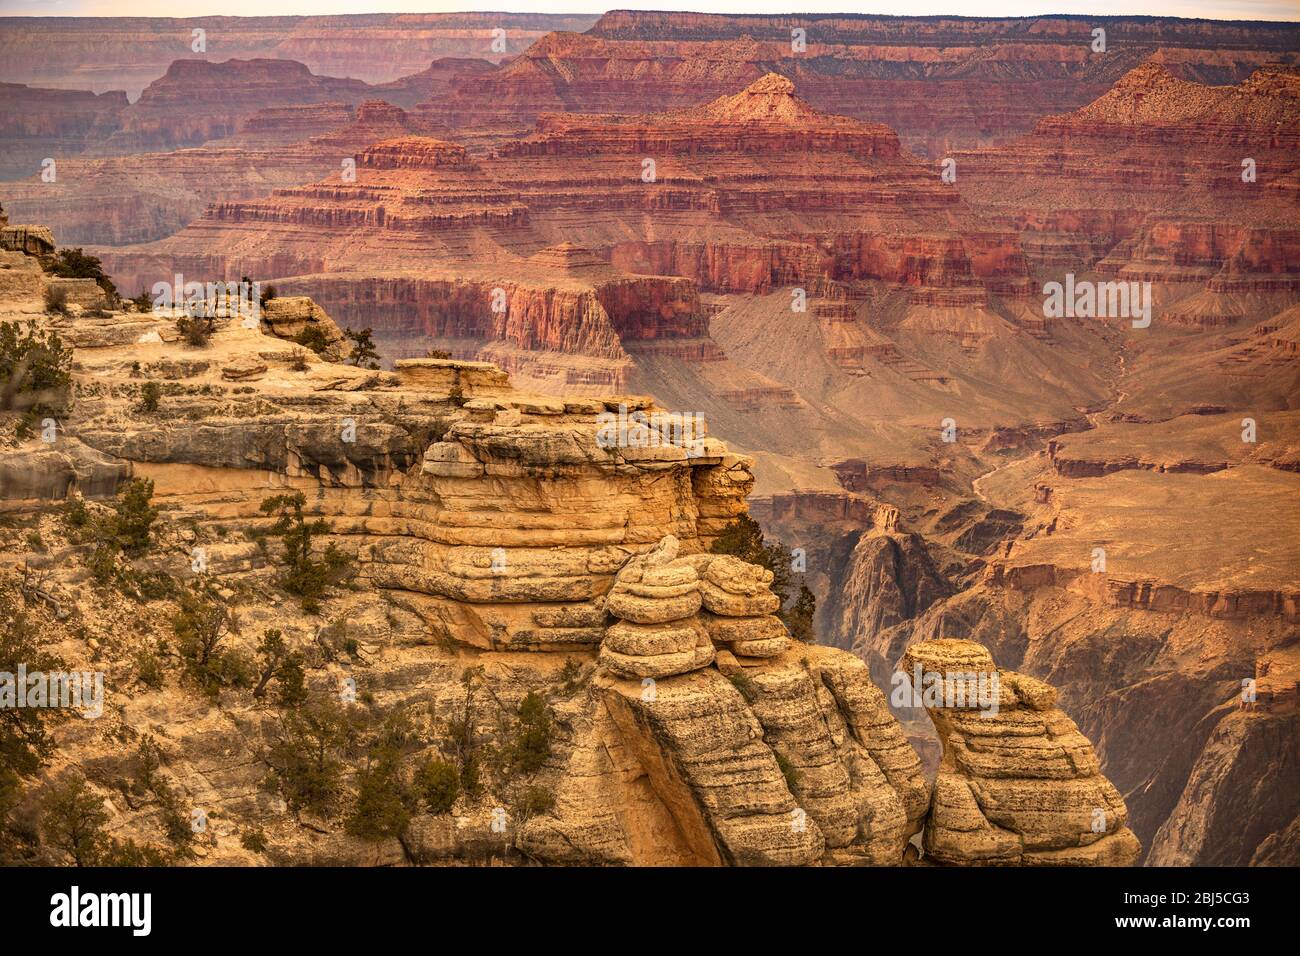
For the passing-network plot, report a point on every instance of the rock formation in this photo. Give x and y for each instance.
(1018, 784)
(127, 53)
(483, 521)
(941, 82)
(150, 195)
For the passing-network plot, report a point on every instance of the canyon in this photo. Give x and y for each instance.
(838, 258)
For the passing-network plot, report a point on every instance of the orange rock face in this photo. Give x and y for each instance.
(749, 192)
(128, 53)
(141, 197)
(938, 81)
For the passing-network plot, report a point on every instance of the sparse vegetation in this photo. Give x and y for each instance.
(73, 821)
(743, 538)
(35, 369)
(364, 353)
(196, 330)
(150, 392)
(306, 754)
(202, 624)
(312, 337)
(72, 263)
(304, 575)
(56, 300)
(439, 785)
(25, 739)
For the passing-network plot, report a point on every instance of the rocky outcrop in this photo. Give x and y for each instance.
(940, 82)
(1018, 784)
(1092, 188)
(298, 319)
(127, 53)
(146, 196)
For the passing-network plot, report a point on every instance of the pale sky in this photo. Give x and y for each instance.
(1216, 9)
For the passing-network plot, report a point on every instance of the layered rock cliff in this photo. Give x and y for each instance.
(481, 523)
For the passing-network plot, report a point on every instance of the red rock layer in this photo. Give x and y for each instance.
(140, 198)
(1161, 180)
(751, 191)
(127, 53)
(938, 81)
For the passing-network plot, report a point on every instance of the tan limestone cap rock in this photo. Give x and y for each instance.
(948, 655)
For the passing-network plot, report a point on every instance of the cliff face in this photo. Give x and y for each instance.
(941, 82)
(483, 522)
(1074, 565)
(1095, 187)
(123, 200)
(733, 194)
(37, 123)
(128, 53)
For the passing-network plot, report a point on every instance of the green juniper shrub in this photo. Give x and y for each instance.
(531, 746)
(134, 516)
(77, 515)
(150, 392)
(73, 821)
(201, 624)
(531, 801)
(291, 680)
(35, 370)
(195, 329)
(312, 337)
(26, 741)
(364, 354)
(439, 785)
(149, 668)
(272, 651)
(283, 665)
(303, 575)
(73, 263)
(306, 754)
(385, 801)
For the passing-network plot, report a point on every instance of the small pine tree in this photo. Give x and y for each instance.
(439, 783)
(134, 516)
(150, 393)
(73, 821)
(384, 800)
(364, 354)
